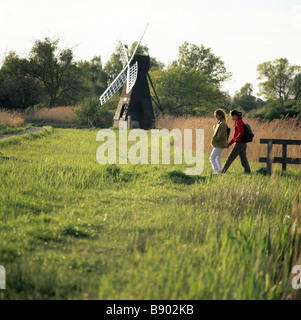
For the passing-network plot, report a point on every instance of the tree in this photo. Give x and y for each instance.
(18, 91)
(55, 68)
(279, 76)
(203, 60)
(191, 85)
(93, 77)
(113, 67)
(297, 87)
(184, 90)
(11, 66)
(244, 98)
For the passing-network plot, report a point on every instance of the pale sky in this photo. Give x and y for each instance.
(244, 33)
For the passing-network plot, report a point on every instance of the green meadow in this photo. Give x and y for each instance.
(71, 228)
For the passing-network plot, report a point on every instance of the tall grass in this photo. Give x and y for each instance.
(11, 118)
(288, 128)
(58, 115)
(74, 229)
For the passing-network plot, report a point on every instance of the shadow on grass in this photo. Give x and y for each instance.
(115, 173)
(4, 158)
(262, 171)
(180, 177)
(75, 232)
(280, 173)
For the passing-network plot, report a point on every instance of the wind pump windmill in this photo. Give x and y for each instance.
(135, 103)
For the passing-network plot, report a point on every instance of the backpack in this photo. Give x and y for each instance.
(248, 134)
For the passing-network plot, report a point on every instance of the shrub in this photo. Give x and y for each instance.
(89, 112)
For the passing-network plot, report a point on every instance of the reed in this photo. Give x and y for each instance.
(287, 128)
(52, 115)
(11, 118)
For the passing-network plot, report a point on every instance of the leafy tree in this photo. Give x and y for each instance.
(279, 76)
(245, 100)
(20, 93)
(113, 67)
(296, 109)
(11, 66)
(98, 76)
(203, 60)
(272, 111)
(184, 90)
(55, 68)
(296, 89)
(17, 91)
(191, 85)
(93, 77)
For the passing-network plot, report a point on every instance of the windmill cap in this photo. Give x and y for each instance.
(143, 62)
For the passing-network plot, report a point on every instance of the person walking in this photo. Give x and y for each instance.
(240, 148)
(219, 140)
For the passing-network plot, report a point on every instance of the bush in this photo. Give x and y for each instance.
(90, 113)
(272, 113)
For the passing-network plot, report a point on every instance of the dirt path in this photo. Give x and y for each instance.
(26, 131)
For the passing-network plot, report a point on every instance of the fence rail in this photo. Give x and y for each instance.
(284, 160)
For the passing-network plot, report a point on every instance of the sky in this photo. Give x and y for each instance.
(243, 33)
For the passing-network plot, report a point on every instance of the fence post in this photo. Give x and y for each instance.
(269, 155)
(284, 160)
(284, 149)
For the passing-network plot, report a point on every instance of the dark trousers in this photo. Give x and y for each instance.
(240, 149)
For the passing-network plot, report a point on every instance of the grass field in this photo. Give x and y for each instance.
(71, 228)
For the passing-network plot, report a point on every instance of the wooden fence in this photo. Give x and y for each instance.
(284, 160)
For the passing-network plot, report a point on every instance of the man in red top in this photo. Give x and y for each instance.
(240, 147)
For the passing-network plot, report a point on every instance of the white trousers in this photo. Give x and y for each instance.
(216, 159)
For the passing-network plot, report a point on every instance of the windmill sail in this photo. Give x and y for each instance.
(114, 87)
(131, 77)
(138, 44)
(123, 54)
(129, 73)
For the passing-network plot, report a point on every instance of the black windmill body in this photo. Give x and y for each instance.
(135, 103)
(135, 107)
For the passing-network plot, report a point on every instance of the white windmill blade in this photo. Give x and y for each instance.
(123, 53)
(138, 44)
(114, 87)
(131, 77)
(128, 73)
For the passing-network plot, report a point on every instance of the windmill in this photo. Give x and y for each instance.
(135, 103)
